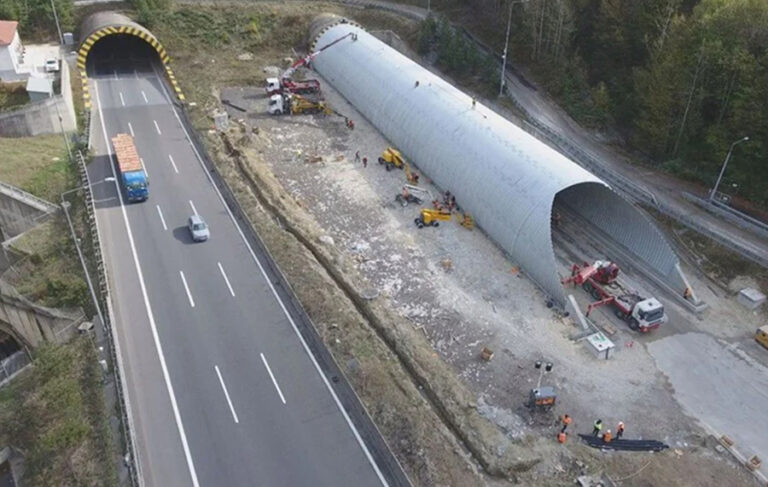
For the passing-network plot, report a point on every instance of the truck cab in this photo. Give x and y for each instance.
(277, 105)
(648, 314)
(273, 86)
(136, 185)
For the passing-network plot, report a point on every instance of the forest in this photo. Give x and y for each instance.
(675, 82)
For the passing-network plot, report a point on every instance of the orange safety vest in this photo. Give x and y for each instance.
(607, 437)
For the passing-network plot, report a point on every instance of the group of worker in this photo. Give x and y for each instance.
(357, 159)
(597, 428)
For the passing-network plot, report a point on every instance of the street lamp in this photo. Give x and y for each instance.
(506, 46)
(722, 170)
(65, 206)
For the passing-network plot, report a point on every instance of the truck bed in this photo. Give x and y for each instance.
(127, 157)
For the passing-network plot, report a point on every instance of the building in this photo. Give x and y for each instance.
(39, 88)
(11, 50)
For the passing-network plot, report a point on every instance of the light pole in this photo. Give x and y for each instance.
(506, 47)
(722, 170)
(65, 206)
(56, 18)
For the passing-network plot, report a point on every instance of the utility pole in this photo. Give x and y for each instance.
(504, 56)
(722, 170)
(56, 18)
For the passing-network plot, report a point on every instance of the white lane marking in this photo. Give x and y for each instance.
(145, 96)
(162, 220)
(194, 210)
(130, 129)
(263, 359)
(224, 275)
(173, 163)
(186, 288)
(157, 127)
(144, 166)
(122, 100)
(272, 287)
(148, 307)
(226, 394)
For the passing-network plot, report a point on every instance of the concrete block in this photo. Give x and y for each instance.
(600, 346)
(751, 298)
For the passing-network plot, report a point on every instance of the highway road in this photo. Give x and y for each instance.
(222, 387)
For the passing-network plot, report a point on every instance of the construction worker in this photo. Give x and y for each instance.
(357, 156)
(687, 293)
(365, 162)
(566, 421)
(607, 437)
(620, 430)
(351, 124)
(598, 427)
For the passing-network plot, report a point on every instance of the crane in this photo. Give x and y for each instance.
(285, 83)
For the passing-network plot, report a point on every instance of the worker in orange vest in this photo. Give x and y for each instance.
(566, 421)
(620, 430)
(607, 437)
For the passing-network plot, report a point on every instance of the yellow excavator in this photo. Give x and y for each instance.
(391, 158)
(431, 218)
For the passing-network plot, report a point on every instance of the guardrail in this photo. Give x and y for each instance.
(12, 365)
(108, 325)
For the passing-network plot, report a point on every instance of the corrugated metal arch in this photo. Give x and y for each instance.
(103, 24)
(503, 176)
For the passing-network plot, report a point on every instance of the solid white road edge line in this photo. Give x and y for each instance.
(271, 376)
(194, 210)
(162, 220)
(144, 166)
(272, 288)
(130, 129)
(173, 163)
(226, 280)
(122, 100)
(186, 288)
(157, 127)
(226, 394)
(148, 306)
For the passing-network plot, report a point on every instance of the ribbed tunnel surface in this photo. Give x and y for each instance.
(503, 176)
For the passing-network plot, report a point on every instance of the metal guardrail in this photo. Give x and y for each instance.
(108, 325)
(11, 365)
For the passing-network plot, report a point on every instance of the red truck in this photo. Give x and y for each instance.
(601, 281)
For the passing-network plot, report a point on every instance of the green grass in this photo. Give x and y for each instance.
(56, 414)
(12, 96)
(36, 164)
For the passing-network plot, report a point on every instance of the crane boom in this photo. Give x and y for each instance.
(309, 57)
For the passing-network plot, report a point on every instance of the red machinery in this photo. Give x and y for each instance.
(285, 83)
(601, 281)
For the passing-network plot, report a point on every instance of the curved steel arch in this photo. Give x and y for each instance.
(103, 24)
(507, 179)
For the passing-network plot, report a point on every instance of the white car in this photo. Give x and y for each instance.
(51, 65)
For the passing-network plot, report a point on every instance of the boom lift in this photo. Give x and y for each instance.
(413, 194)
(429, 217)
(601, 281)
(286, 84)
(391, 158)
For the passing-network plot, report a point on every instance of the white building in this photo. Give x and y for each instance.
(11, 51)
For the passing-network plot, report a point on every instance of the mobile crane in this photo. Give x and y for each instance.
(601, 281)
(286, 84)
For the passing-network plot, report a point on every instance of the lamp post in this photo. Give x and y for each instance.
(56, 18)
(722, 170)
(65, 206)
(506, 47)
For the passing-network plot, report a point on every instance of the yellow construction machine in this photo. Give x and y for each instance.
(429, 217)
(296, 104)
(411, 176)
(392, 158)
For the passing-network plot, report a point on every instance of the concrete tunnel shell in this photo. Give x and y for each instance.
(504, 177)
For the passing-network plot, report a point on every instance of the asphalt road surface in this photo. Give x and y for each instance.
(222, 387)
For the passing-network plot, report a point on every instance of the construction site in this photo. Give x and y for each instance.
(431, 238)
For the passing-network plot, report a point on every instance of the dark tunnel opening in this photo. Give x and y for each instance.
(8, 345)
(121, 54)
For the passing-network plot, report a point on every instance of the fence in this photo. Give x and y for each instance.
(10, 366)
(107, 322)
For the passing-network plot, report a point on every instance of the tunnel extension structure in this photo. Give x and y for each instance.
(103, 24)
(507, 179)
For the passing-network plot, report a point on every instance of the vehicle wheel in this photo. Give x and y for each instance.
(620, 315)
(633, 324)
(419, 222)
(587, 287)
(381, 160)
(388, 166)
(435, 223)
(596, 294)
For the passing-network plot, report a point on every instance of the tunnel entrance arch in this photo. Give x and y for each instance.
(102, 25)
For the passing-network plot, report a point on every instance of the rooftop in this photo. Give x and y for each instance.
(7, 31)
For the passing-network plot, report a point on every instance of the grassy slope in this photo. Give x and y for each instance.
(54, 413)
(36, 164)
